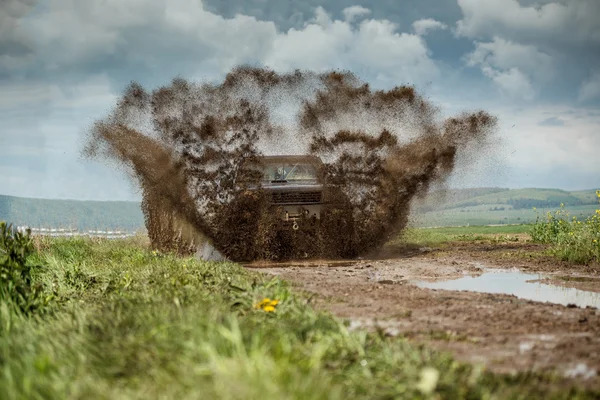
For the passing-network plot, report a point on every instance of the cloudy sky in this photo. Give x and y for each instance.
(534, 64)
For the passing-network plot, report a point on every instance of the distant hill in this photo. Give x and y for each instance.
(513, 198)
(482, 206)
(476, 206)
(83, 215)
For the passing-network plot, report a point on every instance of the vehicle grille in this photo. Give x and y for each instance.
(295, 197)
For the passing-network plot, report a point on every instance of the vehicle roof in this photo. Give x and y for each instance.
(292, 159)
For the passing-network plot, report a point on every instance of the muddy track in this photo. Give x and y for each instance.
(502, 332)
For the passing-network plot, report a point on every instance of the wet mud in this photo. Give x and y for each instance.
(501, 332)
(195, 150)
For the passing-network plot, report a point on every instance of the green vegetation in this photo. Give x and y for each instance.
(484, 206)
(486, 215)
(457, 198)
(480, 230)
(126, 322)
(572, 240)
(16, 287)
(445, 235)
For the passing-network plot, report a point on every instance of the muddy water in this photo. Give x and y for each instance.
(301, 264)
(522, 285)
(195, 149)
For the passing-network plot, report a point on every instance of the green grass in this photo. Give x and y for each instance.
(480, 215)
(446, 235)
(480, 230)
(465, 198)
(528, 193)
(124, 322)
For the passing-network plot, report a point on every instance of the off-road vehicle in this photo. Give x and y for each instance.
(294, 188)
(312, 218)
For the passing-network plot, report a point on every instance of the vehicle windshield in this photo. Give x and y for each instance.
(283, 172)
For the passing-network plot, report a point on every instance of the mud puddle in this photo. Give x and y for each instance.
(300, 264)
(491, 324)
(533, 287)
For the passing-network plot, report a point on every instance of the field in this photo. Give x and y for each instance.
(125, 322)
(458, 198)
(483, 216)
(447, 235)
(98, 318)
(120, 321)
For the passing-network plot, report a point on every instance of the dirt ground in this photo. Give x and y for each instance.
(503, 332)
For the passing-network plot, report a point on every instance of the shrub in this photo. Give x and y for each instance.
(16, 286)
(571, 239)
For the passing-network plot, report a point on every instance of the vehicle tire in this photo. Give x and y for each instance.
(337, 225)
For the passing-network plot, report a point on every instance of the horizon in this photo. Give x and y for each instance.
(63, 68)
(429, 192)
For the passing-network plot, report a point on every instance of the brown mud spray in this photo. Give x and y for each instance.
(194, 150)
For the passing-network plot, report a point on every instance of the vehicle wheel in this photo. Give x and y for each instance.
(338, 232)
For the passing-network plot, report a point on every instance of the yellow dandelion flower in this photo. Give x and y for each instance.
(267, 304)
(262, 303)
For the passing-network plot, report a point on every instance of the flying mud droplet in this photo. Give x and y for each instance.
(197, 152)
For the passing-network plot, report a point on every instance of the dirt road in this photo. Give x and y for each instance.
(503, 332)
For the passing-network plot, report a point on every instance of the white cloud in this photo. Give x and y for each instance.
(590, 89)
(138, 38)
(530, 154)
(28, 94)
(572, 21)
(512, 66)
(15, 43)
(42, 133)
(511, 82)
(155, 33)
(350, 13)
(531, 43)
(374, 46)
(157, 39)
(504, 54)
(571, 147)
(424, 26)
(93, 91)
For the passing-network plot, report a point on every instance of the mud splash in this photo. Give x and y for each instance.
(195, 150)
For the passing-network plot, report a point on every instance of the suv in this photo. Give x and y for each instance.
(304, 216)
(294, 187)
